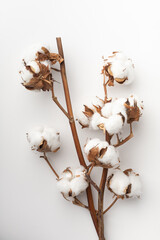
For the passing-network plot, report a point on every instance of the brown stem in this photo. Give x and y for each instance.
(74, 132)
(101, 197)
(126, 139)
(58, 104)
(79, 203)
(115, 200)
(45, 157)
(92, 183)
(91, 168)
(105, 88)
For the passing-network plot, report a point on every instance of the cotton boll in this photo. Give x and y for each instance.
(52, 138)
(95, 121)
(113, 124)
(121, 68)
(111, 156)
(72, 182)
(136, 188)
(78, 185)
(118, 183)
(91, 144)
(102, 153)
(38, 135)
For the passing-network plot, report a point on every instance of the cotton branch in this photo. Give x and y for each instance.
(92, 183)
(74, 132)
(59, 105)
(115, 200)
(79, 203)
(45, 157)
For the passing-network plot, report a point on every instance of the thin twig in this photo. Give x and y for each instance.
(126, 139)
(91, 168)
(92, 183)
(79, 203)
(115, 200)
(59, 105)
(45, 157)
(55, 69)
(103, 180)
(74, 132)
(90, 165)
(105, 88)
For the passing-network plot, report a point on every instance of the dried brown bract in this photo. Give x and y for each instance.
(47, 55)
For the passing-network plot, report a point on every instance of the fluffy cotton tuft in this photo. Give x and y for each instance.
(125, 183)
(72, 182)
(118, 183)
(114, 124)
(44, 139)
(120, 68)
(136, 185)
(95, 121)
(100, 152)
(113, 115)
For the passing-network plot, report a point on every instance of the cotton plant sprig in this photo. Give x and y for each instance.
(107, 115)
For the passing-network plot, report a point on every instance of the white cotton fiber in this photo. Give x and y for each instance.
(119, 183)
(107, 110)
(83, 120)
(95, 120)
(25, 74)
(118, 107)
(91, 144)
(115, 107)
(136, 186)
(72, 182)
(110, 155)
(113, 124)
(122, 67)
(34, 66)
(38, 134)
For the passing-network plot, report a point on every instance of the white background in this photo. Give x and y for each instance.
(30, 204)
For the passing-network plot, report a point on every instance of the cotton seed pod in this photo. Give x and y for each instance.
(44, 139)
(72, 182)
(37, 76)
(124, 183)
(118, 68)
(101, 153)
